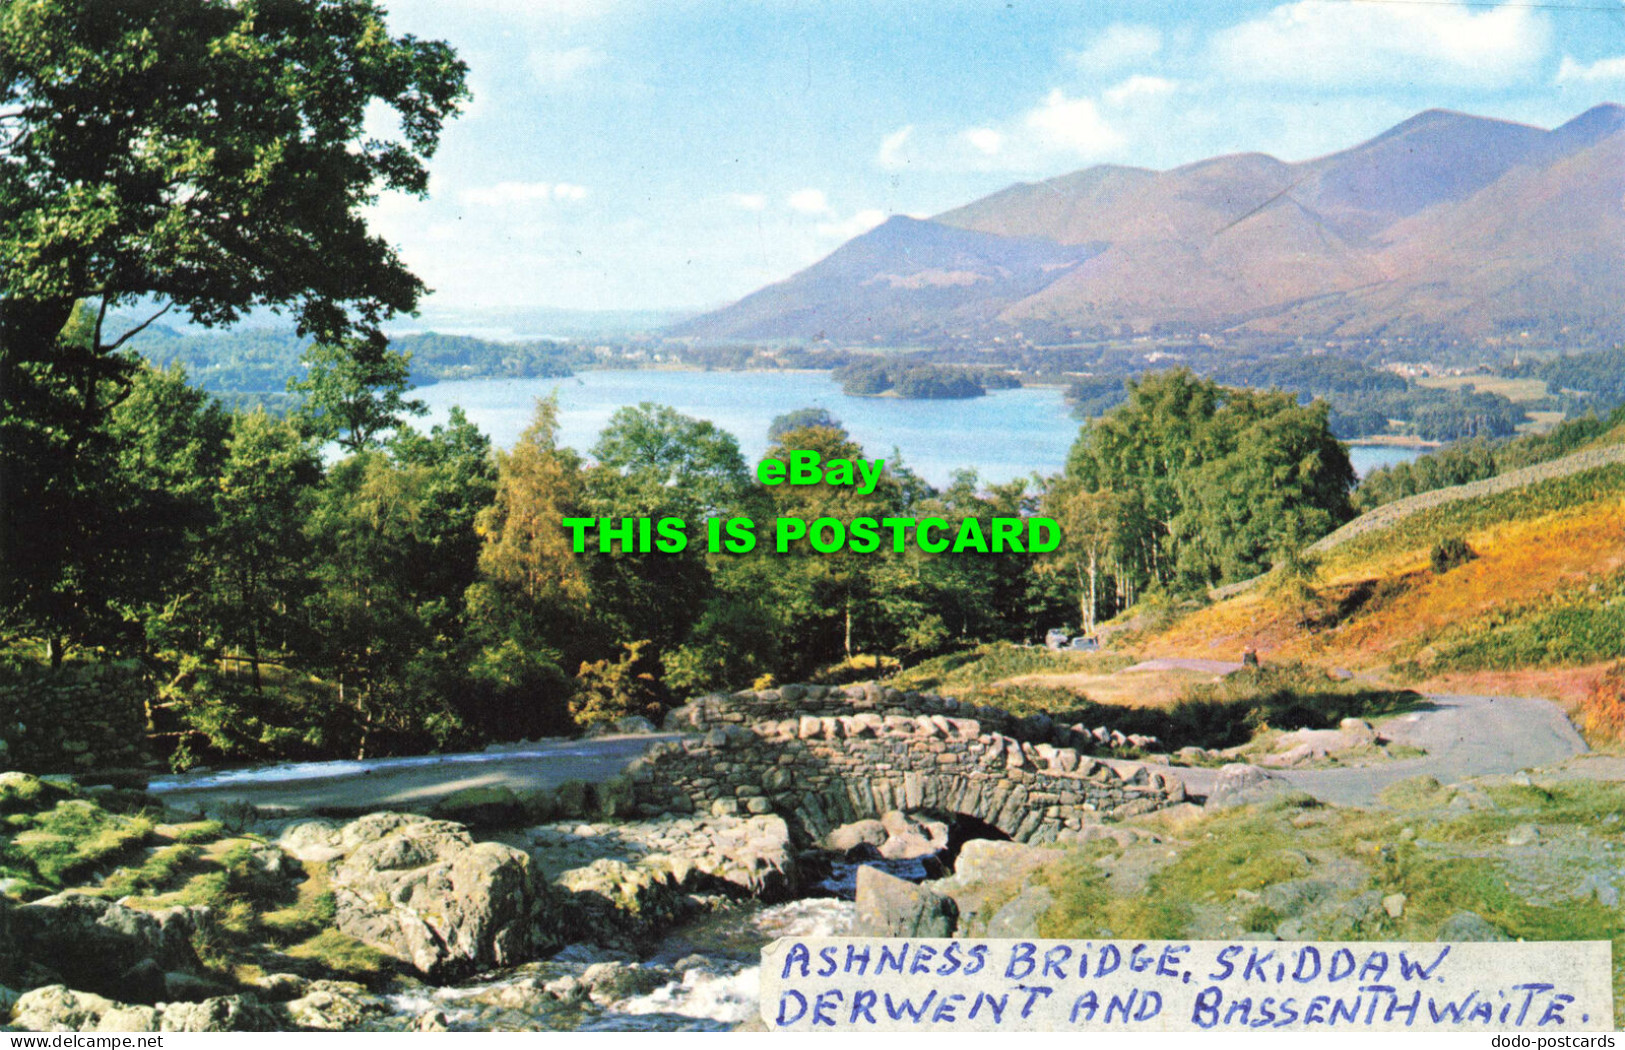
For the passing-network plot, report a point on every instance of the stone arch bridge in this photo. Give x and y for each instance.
(822, 757)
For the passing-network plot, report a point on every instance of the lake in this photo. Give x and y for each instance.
(1007, 434)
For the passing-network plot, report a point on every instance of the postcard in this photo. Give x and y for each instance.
(604, 515)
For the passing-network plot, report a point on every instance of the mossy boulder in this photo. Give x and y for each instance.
(481, 807)
(424, 892)
(23, 793)
(99, 946)
(575, 798)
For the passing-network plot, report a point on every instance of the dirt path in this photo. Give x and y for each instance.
(1464, 736)
(1180, 664)
(404, 783)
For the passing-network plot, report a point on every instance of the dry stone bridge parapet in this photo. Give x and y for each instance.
(822, 757)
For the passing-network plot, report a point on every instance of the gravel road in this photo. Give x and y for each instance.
(1464, 736)
(405, 783)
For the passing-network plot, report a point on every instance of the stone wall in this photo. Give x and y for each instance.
(825, 757)
(76, 718)
(720, 710)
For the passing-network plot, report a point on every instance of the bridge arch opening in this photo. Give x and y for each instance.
(962, 828)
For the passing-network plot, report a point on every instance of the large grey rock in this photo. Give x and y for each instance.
(987, 860)
(481, 807)
(890, 907)
(228, 1013)
(616, 798)
(99, 946)
(1470, 926)
(683, 719)
(909, 837)
(613, 901)
(312, 841)
(1239, 784)
(333, 1006)
(424, 892)
(859, 833)
(609, 982)
(56, 1008)
(1296, 896)
(1020, 916)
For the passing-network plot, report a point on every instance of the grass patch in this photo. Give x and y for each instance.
(157, 873)
(1081, 899)
(196, 831)
(1149, 917)
(21, 793)
(860, 667)
(312, 911)
(1511, 388)
(1241, 851)
(68, 840)
(966, 671)
(1225, 714)
(1414, 793)
(1449, 863)
(342, 955)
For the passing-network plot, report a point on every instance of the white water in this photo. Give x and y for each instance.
(729, 994)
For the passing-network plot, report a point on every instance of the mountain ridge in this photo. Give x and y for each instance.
(1447, 225)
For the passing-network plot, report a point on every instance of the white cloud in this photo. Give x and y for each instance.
(985, 139)
(1345, 45)
(748, 201)
(1602, 71)
(1120, 44)
(560, 66)
(512, 194)
(1137, 88)
(1059, 130)
(894, 153)
(808, 202)
(846, 229)
(1072, 125)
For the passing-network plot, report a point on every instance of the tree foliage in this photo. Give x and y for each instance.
(1207, 484)
(201, 156)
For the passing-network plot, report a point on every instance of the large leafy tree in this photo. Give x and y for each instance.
(654, 462)
(260, 563)
(355, 393)
(1206, 484)
(199, 156)
(529, 610)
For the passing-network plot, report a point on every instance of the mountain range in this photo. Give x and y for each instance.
(1446, 226)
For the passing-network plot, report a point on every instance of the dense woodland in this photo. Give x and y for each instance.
(250, 367)
(418, 590)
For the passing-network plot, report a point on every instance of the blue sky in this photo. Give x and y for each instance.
(637, 154)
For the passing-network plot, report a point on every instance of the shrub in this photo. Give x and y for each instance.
(1449, 553)
(607, 690)
(1602, 710)
(1261, 918)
